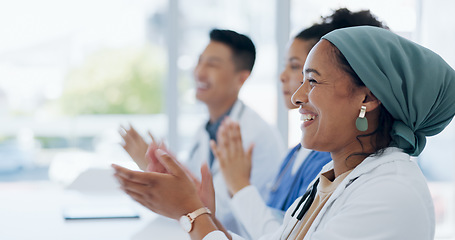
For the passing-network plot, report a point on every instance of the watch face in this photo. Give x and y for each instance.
(185, 223)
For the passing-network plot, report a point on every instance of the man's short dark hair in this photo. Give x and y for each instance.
(244, 52)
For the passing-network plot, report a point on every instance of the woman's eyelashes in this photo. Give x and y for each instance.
(311, 81)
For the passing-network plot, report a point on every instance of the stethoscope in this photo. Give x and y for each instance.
(308, 199)
(277, 183)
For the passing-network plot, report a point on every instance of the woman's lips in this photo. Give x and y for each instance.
(307, 117)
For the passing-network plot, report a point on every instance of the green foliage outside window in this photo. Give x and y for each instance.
(116, 81)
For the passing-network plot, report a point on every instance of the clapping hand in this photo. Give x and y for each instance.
(171, 193)
(135, 145)
(142, 153)
(235, 162)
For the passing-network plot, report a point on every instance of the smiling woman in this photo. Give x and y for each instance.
(363, 81)
(329, 93)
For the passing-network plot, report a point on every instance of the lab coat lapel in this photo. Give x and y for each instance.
(237, 110)
(199, 153)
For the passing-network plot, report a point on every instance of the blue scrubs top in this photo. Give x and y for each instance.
(288, 187)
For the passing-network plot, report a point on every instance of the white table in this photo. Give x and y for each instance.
(33, 210)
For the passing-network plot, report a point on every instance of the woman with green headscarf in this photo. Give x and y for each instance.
(370, 98)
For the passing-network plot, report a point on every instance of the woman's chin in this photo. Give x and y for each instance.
(305, 144)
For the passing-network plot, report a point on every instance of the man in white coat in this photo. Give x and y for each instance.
(222, 69)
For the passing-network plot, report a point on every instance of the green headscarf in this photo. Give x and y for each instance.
(413, 83)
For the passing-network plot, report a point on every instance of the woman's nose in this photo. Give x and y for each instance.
(301, 95)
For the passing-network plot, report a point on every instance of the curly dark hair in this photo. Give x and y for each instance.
(341, 18)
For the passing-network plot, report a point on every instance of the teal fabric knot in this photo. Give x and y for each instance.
(415, 85)
(405, 138)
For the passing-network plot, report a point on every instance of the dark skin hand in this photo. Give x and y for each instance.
(161, 192)
(172, 194)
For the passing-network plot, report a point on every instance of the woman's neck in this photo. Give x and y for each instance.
(351, 156)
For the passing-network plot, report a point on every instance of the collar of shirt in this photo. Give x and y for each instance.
(212, 128)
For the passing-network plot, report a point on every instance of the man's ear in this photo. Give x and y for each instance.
(243, 76)
(371, 102)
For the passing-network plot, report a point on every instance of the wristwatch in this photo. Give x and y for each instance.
(186, 221)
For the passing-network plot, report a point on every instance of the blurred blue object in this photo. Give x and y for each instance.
(12, 157)
(16, 164)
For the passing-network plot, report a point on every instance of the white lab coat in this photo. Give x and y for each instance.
(266, 159)
(384, 197)
(252, 211)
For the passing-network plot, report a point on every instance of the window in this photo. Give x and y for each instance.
(70, 73)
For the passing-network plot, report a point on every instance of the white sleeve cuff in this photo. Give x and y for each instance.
(244, 193)
(215, 235)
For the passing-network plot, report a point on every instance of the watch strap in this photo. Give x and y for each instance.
(198, 212)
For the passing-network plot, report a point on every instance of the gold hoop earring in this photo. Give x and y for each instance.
(361, 123)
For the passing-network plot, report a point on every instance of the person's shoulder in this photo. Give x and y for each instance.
(386, 202)
(251, 114)
(386, 190)
(253, 126)
(391, 161)
(392, 186)
(405, 200)
(392, 175)
(398, 183)
(252, 119)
